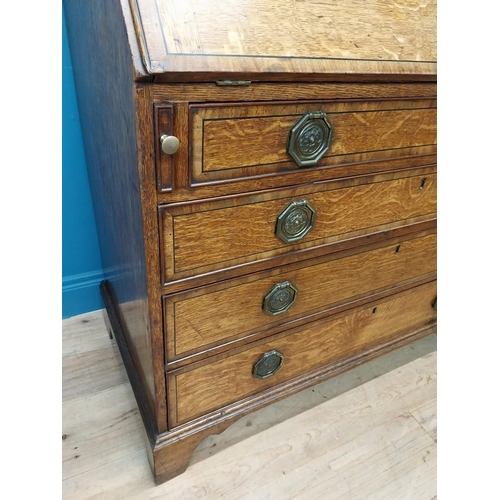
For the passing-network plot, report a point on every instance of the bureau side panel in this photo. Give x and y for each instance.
(104, 78)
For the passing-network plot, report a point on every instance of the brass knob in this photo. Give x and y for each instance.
(268, 364)
(295, 221)
(169, 144)
(310, 138)
(280, 298)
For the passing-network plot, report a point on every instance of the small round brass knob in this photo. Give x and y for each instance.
(169, 144)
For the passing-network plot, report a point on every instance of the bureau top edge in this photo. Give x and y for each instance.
(283, 40)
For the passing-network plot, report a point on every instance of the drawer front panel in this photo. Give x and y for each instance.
(214, 385)
(212, 236)
(237, 141)
(205, 317)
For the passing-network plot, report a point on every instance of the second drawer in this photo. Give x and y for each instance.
(228, 233)
(209, 316)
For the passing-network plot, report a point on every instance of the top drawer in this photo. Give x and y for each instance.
(239, 141)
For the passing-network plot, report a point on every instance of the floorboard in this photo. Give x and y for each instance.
(370, 433)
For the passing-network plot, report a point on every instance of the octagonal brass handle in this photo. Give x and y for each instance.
(268, 364)
(280, 298)
(310, 138)
(295, 221)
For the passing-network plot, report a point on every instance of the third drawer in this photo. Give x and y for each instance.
(214, 317)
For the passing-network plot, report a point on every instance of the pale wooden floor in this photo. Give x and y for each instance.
(368, 434)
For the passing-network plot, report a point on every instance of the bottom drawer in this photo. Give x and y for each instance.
(211, 385)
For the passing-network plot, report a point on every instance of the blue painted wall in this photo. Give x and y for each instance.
(81, 259)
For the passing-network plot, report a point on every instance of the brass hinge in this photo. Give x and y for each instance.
(223, 83)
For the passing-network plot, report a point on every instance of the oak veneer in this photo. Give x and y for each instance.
(205, 237)
(313, 41)
(199, 390)
(366, 129)
(205, 317)
(195, 230)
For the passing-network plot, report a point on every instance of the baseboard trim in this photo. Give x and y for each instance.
(80, 293)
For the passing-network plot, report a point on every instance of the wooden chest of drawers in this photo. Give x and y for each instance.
(264, 182)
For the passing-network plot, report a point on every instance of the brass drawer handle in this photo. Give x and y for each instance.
(310, 138)
(295, 221)
(169, 144)
(268, 364)
(280, 298)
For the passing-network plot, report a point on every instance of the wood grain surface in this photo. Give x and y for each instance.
(214, 314)
(215, 235)
(197, 391)
(191, 182)
(246, 140)
(286, 91)
(311, 39)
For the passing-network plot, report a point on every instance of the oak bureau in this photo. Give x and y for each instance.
(263, 176)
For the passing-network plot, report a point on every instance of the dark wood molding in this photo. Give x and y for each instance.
(133, 376)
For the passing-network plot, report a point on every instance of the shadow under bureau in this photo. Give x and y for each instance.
(264, 181)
